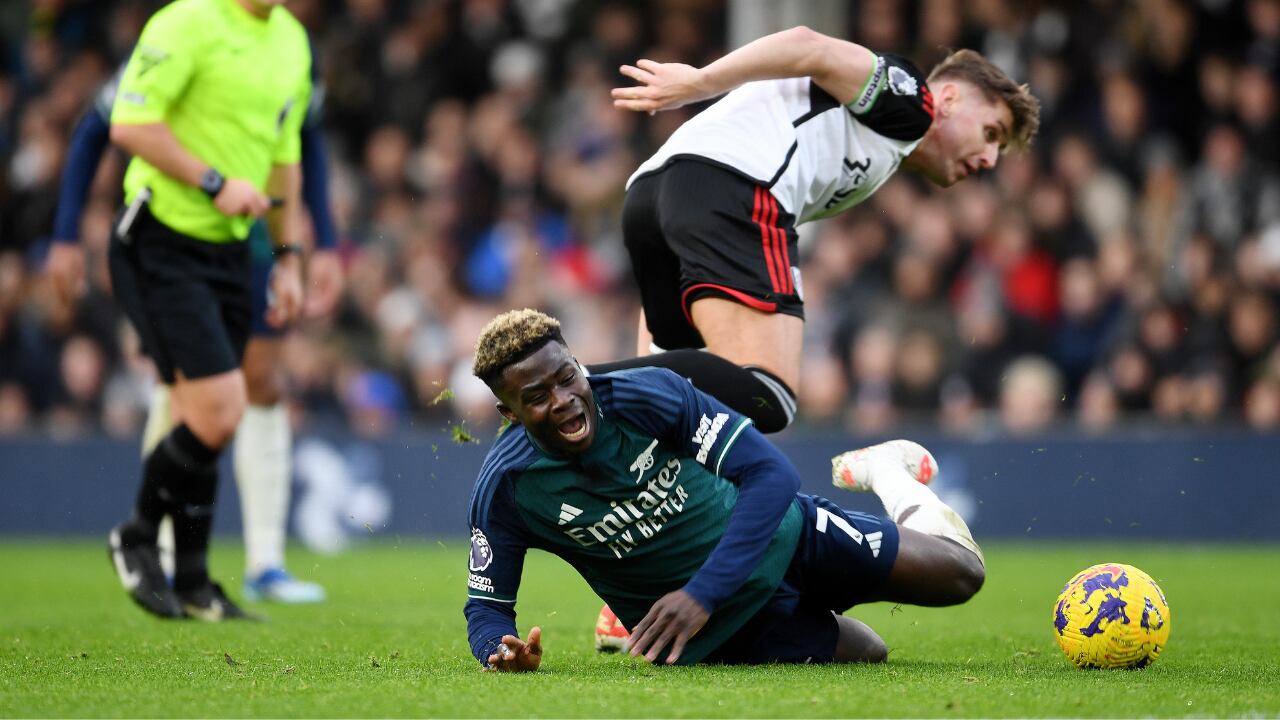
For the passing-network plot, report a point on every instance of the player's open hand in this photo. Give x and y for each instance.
(673, 620)
(240, 197)
(324, 282)
(286, 290)
(519, 655)
(663, 86)
(65, 267)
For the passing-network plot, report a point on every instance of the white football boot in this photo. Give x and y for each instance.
(849, 471)
(899, 472)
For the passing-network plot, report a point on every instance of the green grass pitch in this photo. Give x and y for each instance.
(391, 641)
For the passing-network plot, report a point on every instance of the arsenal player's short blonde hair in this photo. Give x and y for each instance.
(510, 338)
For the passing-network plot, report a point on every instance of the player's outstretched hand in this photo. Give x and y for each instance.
(519, 656)
(673, 620)
(65, 266)
(663, 86)
(324, 282)
(240, 197)
(286, 290)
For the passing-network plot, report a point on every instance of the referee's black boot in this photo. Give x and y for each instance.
(208, 602)
(137, 563)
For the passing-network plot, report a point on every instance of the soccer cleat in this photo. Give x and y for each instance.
(849, 470)
(137, 564)
(209, 603)
(277, 585)
(611, 636)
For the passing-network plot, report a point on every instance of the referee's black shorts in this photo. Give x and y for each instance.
(695, 229)
(187, 298)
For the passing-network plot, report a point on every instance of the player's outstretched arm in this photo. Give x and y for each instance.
(839, 67)
(516, 655)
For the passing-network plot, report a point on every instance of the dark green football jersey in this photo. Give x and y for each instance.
(638, 514)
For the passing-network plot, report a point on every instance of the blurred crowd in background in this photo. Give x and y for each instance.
(1125, 270)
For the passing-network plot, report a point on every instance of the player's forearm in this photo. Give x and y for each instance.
(156, 143)
(767, 488)
(284, 222)
(797, 52)
(486, 625)
(85, 152)
(315, 187)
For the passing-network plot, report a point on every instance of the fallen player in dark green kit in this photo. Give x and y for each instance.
(686, 520)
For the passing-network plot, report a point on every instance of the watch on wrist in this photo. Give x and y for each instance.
(211, 182)
(279, 251)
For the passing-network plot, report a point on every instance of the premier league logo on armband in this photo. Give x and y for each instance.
(901, 82)
(481, 553)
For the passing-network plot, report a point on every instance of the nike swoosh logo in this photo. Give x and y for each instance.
(129, 579)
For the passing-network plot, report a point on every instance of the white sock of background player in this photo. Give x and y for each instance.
(262, 459)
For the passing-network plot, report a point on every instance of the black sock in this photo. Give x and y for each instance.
(154, 500)
(192, 525)
(185, 475)
(754, 392)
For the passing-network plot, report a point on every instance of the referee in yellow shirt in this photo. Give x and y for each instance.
(210, 107)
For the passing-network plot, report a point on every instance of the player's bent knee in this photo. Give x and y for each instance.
(212, 407)
(967, 575)
(217, 428)
(972, 576)
(858, 643)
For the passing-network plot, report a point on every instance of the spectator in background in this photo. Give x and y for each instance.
(1124, 129)
(1098, 407)
(1030, 395)
(1262, 404)
(82, 372)
(917, 388)
(1229, 194)
(1255, 106)
(1252, 329)
(874, 356)
(1086, 321)
(1099, 193)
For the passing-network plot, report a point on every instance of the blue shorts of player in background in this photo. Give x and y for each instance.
(842, 558)
(260, 264)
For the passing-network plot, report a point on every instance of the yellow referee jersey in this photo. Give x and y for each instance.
(234, 90)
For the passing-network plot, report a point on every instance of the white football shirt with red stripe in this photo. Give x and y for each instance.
(814, 155)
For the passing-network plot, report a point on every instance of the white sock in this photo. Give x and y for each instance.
(913, 505)
(159, 423)
(263, 444)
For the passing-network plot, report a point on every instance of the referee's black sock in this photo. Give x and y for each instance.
(181, 477)
(752, 391)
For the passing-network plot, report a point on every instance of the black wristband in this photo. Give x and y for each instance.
(211, 182)
(279, 251)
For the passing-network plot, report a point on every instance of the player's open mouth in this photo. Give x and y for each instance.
(574, 429)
